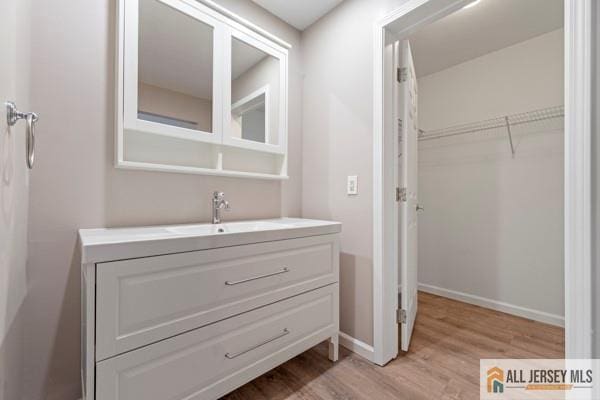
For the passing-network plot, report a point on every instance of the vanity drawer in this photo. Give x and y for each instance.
(145, 300)
(211, 361)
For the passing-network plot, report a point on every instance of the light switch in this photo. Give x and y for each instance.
(352, 185)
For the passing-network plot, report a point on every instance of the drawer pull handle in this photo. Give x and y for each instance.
(231, 283)
(231, 356)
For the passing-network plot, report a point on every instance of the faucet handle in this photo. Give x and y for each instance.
(218, 195)
(226, 206)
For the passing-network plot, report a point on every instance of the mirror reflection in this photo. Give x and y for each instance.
(254, 94)
(249, 119)
(175, 68)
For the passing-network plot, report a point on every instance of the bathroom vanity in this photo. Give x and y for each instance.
(195, 311)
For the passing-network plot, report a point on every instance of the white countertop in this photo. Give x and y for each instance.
(101, 245)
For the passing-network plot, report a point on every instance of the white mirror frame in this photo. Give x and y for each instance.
(226, 25)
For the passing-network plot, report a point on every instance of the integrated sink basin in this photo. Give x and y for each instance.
(99, 245)
(229, 227)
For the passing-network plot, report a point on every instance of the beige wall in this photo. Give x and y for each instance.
(493, 224)
(14, 187)
(338, 141)
(11, 360)
(168, 103)
(522, 77)
(75, 185)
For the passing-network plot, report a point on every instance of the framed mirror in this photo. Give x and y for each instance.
(199, 91)
(172, 86)
(175, 83)
(175, 68)
(257, 92)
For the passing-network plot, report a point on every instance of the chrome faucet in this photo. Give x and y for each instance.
(218, 203)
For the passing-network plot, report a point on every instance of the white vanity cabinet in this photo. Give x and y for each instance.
(189, 312)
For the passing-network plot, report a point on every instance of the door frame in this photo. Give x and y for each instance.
(579, 43)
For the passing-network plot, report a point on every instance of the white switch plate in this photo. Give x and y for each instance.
(352, 185)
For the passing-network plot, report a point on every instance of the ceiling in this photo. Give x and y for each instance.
(299, 14)
(483, 28)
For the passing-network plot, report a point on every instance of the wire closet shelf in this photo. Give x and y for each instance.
(507, 122)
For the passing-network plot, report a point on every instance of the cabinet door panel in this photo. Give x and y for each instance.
(209, 362)
(145, 300)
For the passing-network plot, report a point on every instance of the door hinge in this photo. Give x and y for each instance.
(401, 316)
(400, 194)
(402, 74)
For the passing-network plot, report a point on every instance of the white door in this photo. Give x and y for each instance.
(13, 174)
(405, 95)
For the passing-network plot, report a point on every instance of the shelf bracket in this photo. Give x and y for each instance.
(510, 139)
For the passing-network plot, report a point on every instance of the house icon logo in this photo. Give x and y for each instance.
(495, 380)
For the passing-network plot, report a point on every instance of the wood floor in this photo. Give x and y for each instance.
(443, 362)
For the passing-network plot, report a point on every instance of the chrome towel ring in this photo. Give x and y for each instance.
(13, 115)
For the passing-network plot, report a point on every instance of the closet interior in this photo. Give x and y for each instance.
(490, 159)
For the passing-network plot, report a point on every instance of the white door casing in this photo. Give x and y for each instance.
(405, 95)
(395, 25)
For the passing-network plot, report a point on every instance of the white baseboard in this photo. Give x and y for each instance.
(361, 348)
(519, 311)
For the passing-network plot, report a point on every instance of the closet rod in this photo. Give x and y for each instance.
(506, 121)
